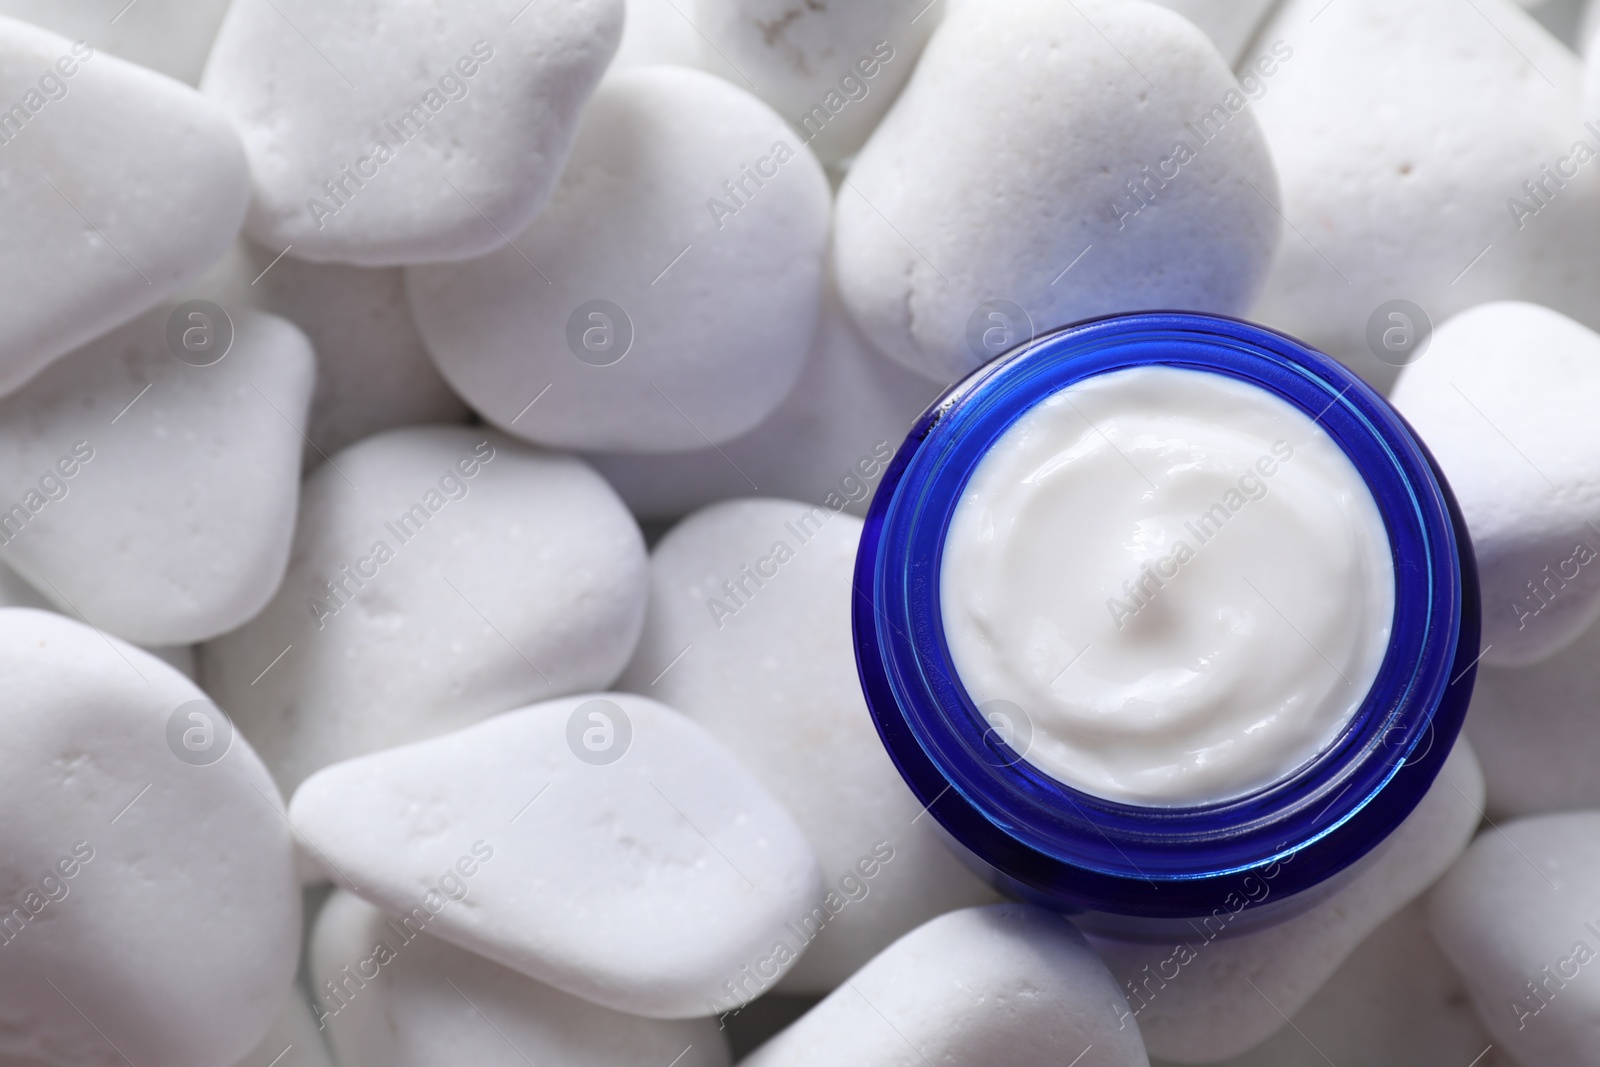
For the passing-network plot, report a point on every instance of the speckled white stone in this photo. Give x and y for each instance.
(1536, 728)
(834, 433)
(978, 188)
(1505, 399)
(430, 1003)
(1395, 1002)
(720, 304)
(1228, 996)
(1518, 915)
(150, 908)
(647, 883)
(170, 36)
(122, 186)
(776, 681)
(1377, 213)
(174, 523)
(1008, 984)
(831, 70)
(473, 105)
(525, 580)
(372, 371)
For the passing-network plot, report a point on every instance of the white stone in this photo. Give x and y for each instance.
(1009, 984)
(1537, 730)
(151, 912)
(831, 70)
(170, 36)
(718, 294)
(979, 187)
(1229, 23)
(386, 133)
(426, 1002)
(122, 186)
(601, 843)
(1230, 990)
(1505, 399)
(372, 371)
(293, 1041)
(1376, 213)
(152, 497)
(1517, 914)
(521, 580)
(772, 673)
(1396, 1002)
(834, 433)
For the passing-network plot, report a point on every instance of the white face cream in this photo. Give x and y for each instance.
(1180, 579)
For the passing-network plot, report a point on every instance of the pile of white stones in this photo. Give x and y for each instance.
(351, 347)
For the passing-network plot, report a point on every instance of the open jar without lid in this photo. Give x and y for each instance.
(1133, 868)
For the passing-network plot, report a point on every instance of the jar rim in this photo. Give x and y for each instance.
(1047, 840)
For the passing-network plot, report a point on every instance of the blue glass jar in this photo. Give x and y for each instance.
(1125, 868)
